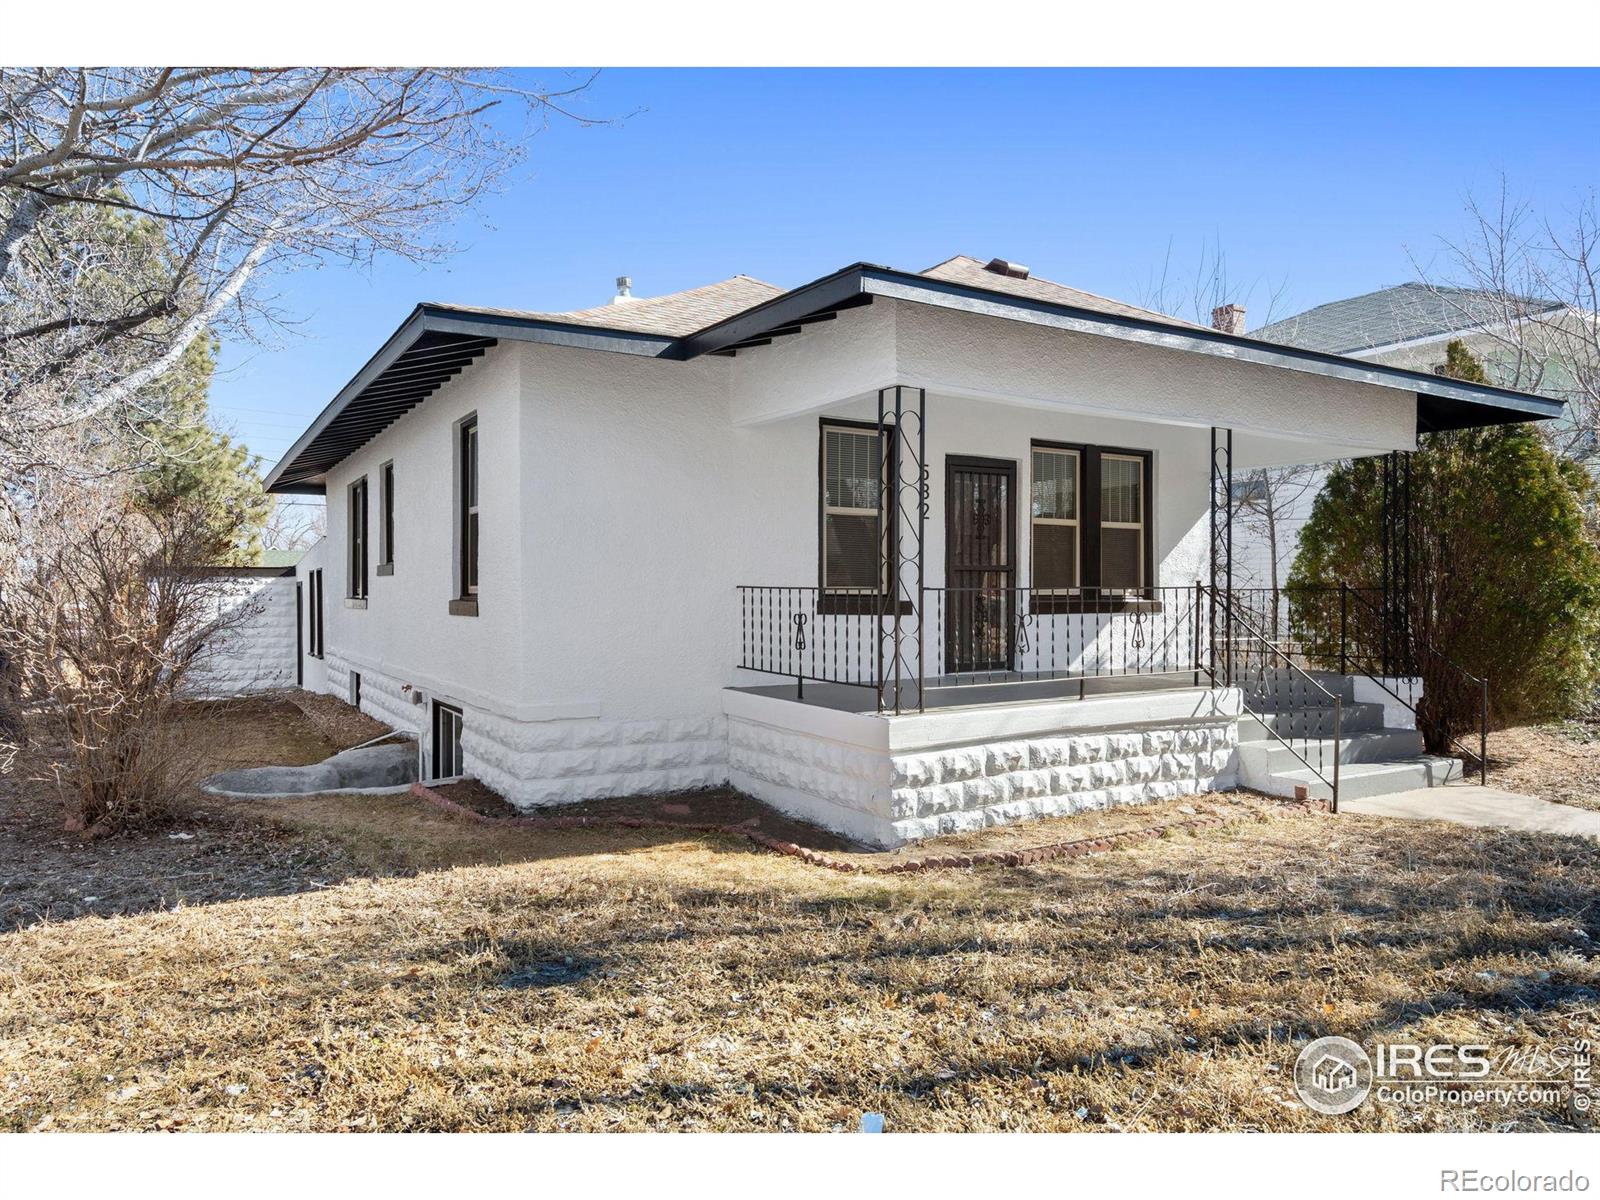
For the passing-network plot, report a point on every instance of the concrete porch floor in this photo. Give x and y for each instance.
(994, 688)
(1472, 804)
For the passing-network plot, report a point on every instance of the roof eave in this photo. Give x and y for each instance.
(866, 278)
(433, 318)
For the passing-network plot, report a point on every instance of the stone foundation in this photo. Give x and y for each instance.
(535, 764)
(890, 780)
(880, 779)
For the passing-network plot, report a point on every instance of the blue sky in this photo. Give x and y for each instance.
(1316, 180)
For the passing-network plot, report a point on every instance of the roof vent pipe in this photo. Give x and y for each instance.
(624, 290)
(1001, 266)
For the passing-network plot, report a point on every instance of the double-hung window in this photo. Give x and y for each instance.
(1090, 531)
(386, 519)
(853, 561)
(358, 540)
(1122, 522)
(467, 476)
(314, 614)
(1055, 520)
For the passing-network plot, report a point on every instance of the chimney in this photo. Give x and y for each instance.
(1229, 318)
(1011, 270)
(624, 290)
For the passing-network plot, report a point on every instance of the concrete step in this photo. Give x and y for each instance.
(1309, 722)
(1271, 756)
(1283, 688)
(1359, 780)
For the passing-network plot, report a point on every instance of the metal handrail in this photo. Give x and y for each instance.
(1220, 595)
(1477, 681)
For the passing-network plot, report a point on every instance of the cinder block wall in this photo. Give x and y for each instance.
(258, 653)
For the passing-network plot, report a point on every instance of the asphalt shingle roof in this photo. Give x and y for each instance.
(972, 273)
(1396, 314)
(675, 315)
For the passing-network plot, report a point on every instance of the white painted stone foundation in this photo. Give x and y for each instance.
(542, 762)
(887, 780)
(884, 780)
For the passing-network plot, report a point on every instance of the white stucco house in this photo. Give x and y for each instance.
(898, 552)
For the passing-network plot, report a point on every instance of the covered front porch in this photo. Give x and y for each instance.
(1032, 526)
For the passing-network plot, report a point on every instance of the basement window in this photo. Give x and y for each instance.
(446, 741)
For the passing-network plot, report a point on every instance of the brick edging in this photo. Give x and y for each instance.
(1075, 848)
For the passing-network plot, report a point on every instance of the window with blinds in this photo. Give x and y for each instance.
(852, 475)
(1055, 519)
(1090, 521)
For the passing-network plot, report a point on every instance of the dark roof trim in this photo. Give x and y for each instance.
(248, 572)
(918, 289)
(375, 398)
(1442, 403)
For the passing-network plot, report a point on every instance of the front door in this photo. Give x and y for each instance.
(980, 563)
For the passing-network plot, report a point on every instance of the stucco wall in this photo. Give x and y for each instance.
(256, 652)
(624, 498)
(406, 630)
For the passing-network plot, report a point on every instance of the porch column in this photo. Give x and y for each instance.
(1396, 531)
(1222, 547)
(902, 522)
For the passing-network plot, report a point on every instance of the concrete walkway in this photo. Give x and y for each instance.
(1470, 804)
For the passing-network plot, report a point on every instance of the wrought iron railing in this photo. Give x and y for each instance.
(973, 636)
(1288, 702)
(1006, 635)
(1380, 650)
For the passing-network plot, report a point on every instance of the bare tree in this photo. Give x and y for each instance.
(107, 610)
(294, 525)
(142, 207)
(1195, 294)
(1529, 287)
(1266, 500)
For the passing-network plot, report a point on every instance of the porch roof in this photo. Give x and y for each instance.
(437, 341)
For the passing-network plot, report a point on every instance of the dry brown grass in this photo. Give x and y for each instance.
(447, 975)
(1554, 762)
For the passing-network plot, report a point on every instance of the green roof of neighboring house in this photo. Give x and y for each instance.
(280, 558)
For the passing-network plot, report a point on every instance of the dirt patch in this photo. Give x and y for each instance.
(711, 806)
(342, 724)
(479, 797)
(1554, 762)
(210, 851)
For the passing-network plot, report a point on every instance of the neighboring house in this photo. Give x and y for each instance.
(1407, 326)
(900, 553)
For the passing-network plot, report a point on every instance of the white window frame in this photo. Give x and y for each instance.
(1075, 521)
(830, 510)
(1140, 524)
(443, 713)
